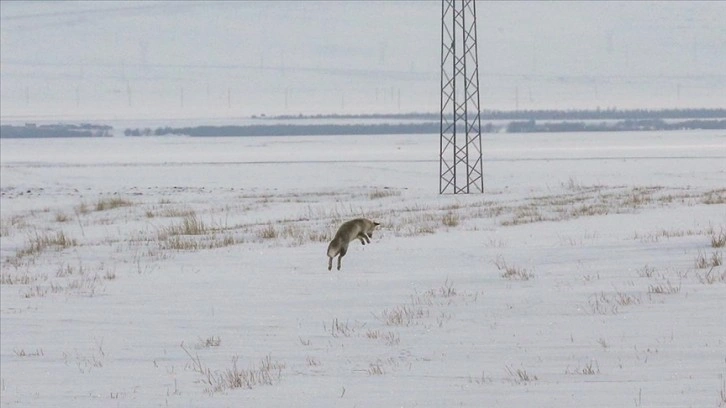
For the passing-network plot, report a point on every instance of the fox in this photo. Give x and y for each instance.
(359, 228)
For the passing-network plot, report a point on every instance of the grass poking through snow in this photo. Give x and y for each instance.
(512, 272)
(112, 203)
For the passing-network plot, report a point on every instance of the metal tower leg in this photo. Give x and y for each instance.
(460, 160)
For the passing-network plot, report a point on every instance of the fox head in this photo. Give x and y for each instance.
(375, 224)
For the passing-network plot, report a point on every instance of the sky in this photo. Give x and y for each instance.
(201, 60)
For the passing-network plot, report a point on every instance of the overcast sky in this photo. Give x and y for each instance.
(126, 60)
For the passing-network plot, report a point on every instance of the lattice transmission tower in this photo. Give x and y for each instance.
(460, 161)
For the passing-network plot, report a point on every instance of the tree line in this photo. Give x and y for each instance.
(427, 123)
(542, 114)
(31, 130)
(528, 126)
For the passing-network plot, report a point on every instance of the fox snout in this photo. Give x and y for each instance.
(375, 224)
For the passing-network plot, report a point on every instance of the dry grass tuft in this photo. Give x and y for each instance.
(267, 372)
(269, 232)
(591, 368)
(39, 243)
(23, 353)
(68, 270)
(420, 305)
(61, 217)
(175, 212)
(512, 272)
(312, 361)
(383, 193)
(520, 375)
(338, 328)
(664, 233)
(714, 197)
(213, 341)
(190, 226)
(68, 280)
(193, 234)
(403, 315)
(450, 219)
(572, 184)
(626, 299)
(389, 337)
(718, 240)
(318, 236)
(84, 285)
(35, 291)
(375, 368)
(7, 278)
(610, 303)
(423, 230)
(187, 243)
(638, 197)
(664, 288)
(709, 278)
(446, 290)
(646, 271)
(703, 261)
(82, 209)
(112, 203)
(525, 214)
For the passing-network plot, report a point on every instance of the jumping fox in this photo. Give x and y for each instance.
(359, 228)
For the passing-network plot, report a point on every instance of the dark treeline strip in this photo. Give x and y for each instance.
(586, 114)
(53, 131)
(530, 126)
(512, 122)
(288, 130)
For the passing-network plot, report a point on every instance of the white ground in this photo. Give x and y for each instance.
(130, 311)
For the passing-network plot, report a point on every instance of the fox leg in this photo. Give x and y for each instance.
(363, 238)
(330, 262)
(342, 254)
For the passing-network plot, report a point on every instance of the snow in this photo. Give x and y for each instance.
(423, 316)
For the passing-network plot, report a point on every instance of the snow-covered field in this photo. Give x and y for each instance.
(192, 272)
